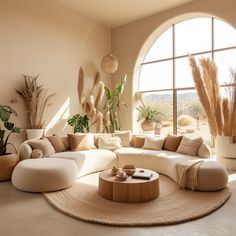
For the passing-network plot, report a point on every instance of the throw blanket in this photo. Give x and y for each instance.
(186, 173)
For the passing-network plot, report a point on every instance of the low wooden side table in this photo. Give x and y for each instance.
(128, 191)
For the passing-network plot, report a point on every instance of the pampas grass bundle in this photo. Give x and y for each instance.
(99, 122)
(80, 86)
(97, 78)
(100, 94)
(220, 111)
(92, 103)
(36, 100)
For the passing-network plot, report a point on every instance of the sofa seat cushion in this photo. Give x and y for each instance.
(161, 161)
(211, 176)
(89, 161)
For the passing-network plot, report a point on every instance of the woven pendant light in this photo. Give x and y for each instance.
(109, 64)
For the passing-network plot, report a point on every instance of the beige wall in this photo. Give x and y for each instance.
(128, 41)
(43, 37)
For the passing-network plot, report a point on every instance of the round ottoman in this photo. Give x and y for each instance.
(44, 175)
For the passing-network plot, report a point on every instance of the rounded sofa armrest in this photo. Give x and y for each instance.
(204, 151)
(25, 151)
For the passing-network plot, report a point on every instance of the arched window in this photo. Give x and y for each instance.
(165, 79)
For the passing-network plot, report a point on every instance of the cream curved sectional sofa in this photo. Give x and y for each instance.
(212, 176)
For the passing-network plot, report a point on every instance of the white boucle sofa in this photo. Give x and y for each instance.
(212, 176)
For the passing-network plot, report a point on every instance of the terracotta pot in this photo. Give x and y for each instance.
(147, 125)
(158, 131)
(7, 165)
(34, 133)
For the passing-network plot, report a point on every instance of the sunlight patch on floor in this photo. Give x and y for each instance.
(88, 180)
(232, 177)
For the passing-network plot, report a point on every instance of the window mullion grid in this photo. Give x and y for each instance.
(174, 86)
(212, 38)
(174, 58)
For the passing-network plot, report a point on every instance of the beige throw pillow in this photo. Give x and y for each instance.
(97, 135)
(42, 144)
(57, 143)
(89, 138)
(204, 151)
(189, 146)
(125, 137)
(172, 142)
(154, 143)
(78, 142)
(110, 143)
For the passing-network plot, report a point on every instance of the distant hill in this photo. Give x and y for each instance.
(167, 98)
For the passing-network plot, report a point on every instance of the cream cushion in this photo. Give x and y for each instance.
(42, 144)
(90, 139)
(25, 151)
(204, 151)
(125, 137)
(90, 161)
(110, 143)
(154, 143)
(43, 175)
(96, 137)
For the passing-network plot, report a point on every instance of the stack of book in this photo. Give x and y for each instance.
(142, 175)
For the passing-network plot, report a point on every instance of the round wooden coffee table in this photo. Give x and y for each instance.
(131, 190)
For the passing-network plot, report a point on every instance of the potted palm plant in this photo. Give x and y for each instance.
(36, 100)
(7, 160)
(113, 106)
(149, 116)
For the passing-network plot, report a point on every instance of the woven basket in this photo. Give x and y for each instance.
(7, 165)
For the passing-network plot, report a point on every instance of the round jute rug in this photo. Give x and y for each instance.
(82, 201)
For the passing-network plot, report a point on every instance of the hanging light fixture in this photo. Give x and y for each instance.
(109, 64)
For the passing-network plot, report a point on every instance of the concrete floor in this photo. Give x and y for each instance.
(25, 214)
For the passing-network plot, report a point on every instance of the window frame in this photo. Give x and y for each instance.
(175, 90)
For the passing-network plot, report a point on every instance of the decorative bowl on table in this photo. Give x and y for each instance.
(114, 170)
(121, 176)
(129, 169)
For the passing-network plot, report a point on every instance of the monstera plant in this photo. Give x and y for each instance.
(79, 123)
(7, 160)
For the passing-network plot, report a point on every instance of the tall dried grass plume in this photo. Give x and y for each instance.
(36, 99)
(220, 111)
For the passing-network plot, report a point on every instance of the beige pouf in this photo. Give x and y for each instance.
(44, 175)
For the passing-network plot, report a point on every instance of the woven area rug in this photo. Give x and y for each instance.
(82, 201)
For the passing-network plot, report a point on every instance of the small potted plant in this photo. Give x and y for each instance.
(149, 116)
(79, 123)
(36, 100)
(7, 160)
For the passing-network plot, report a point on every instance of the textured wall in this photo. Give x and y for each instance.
(46, 38)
